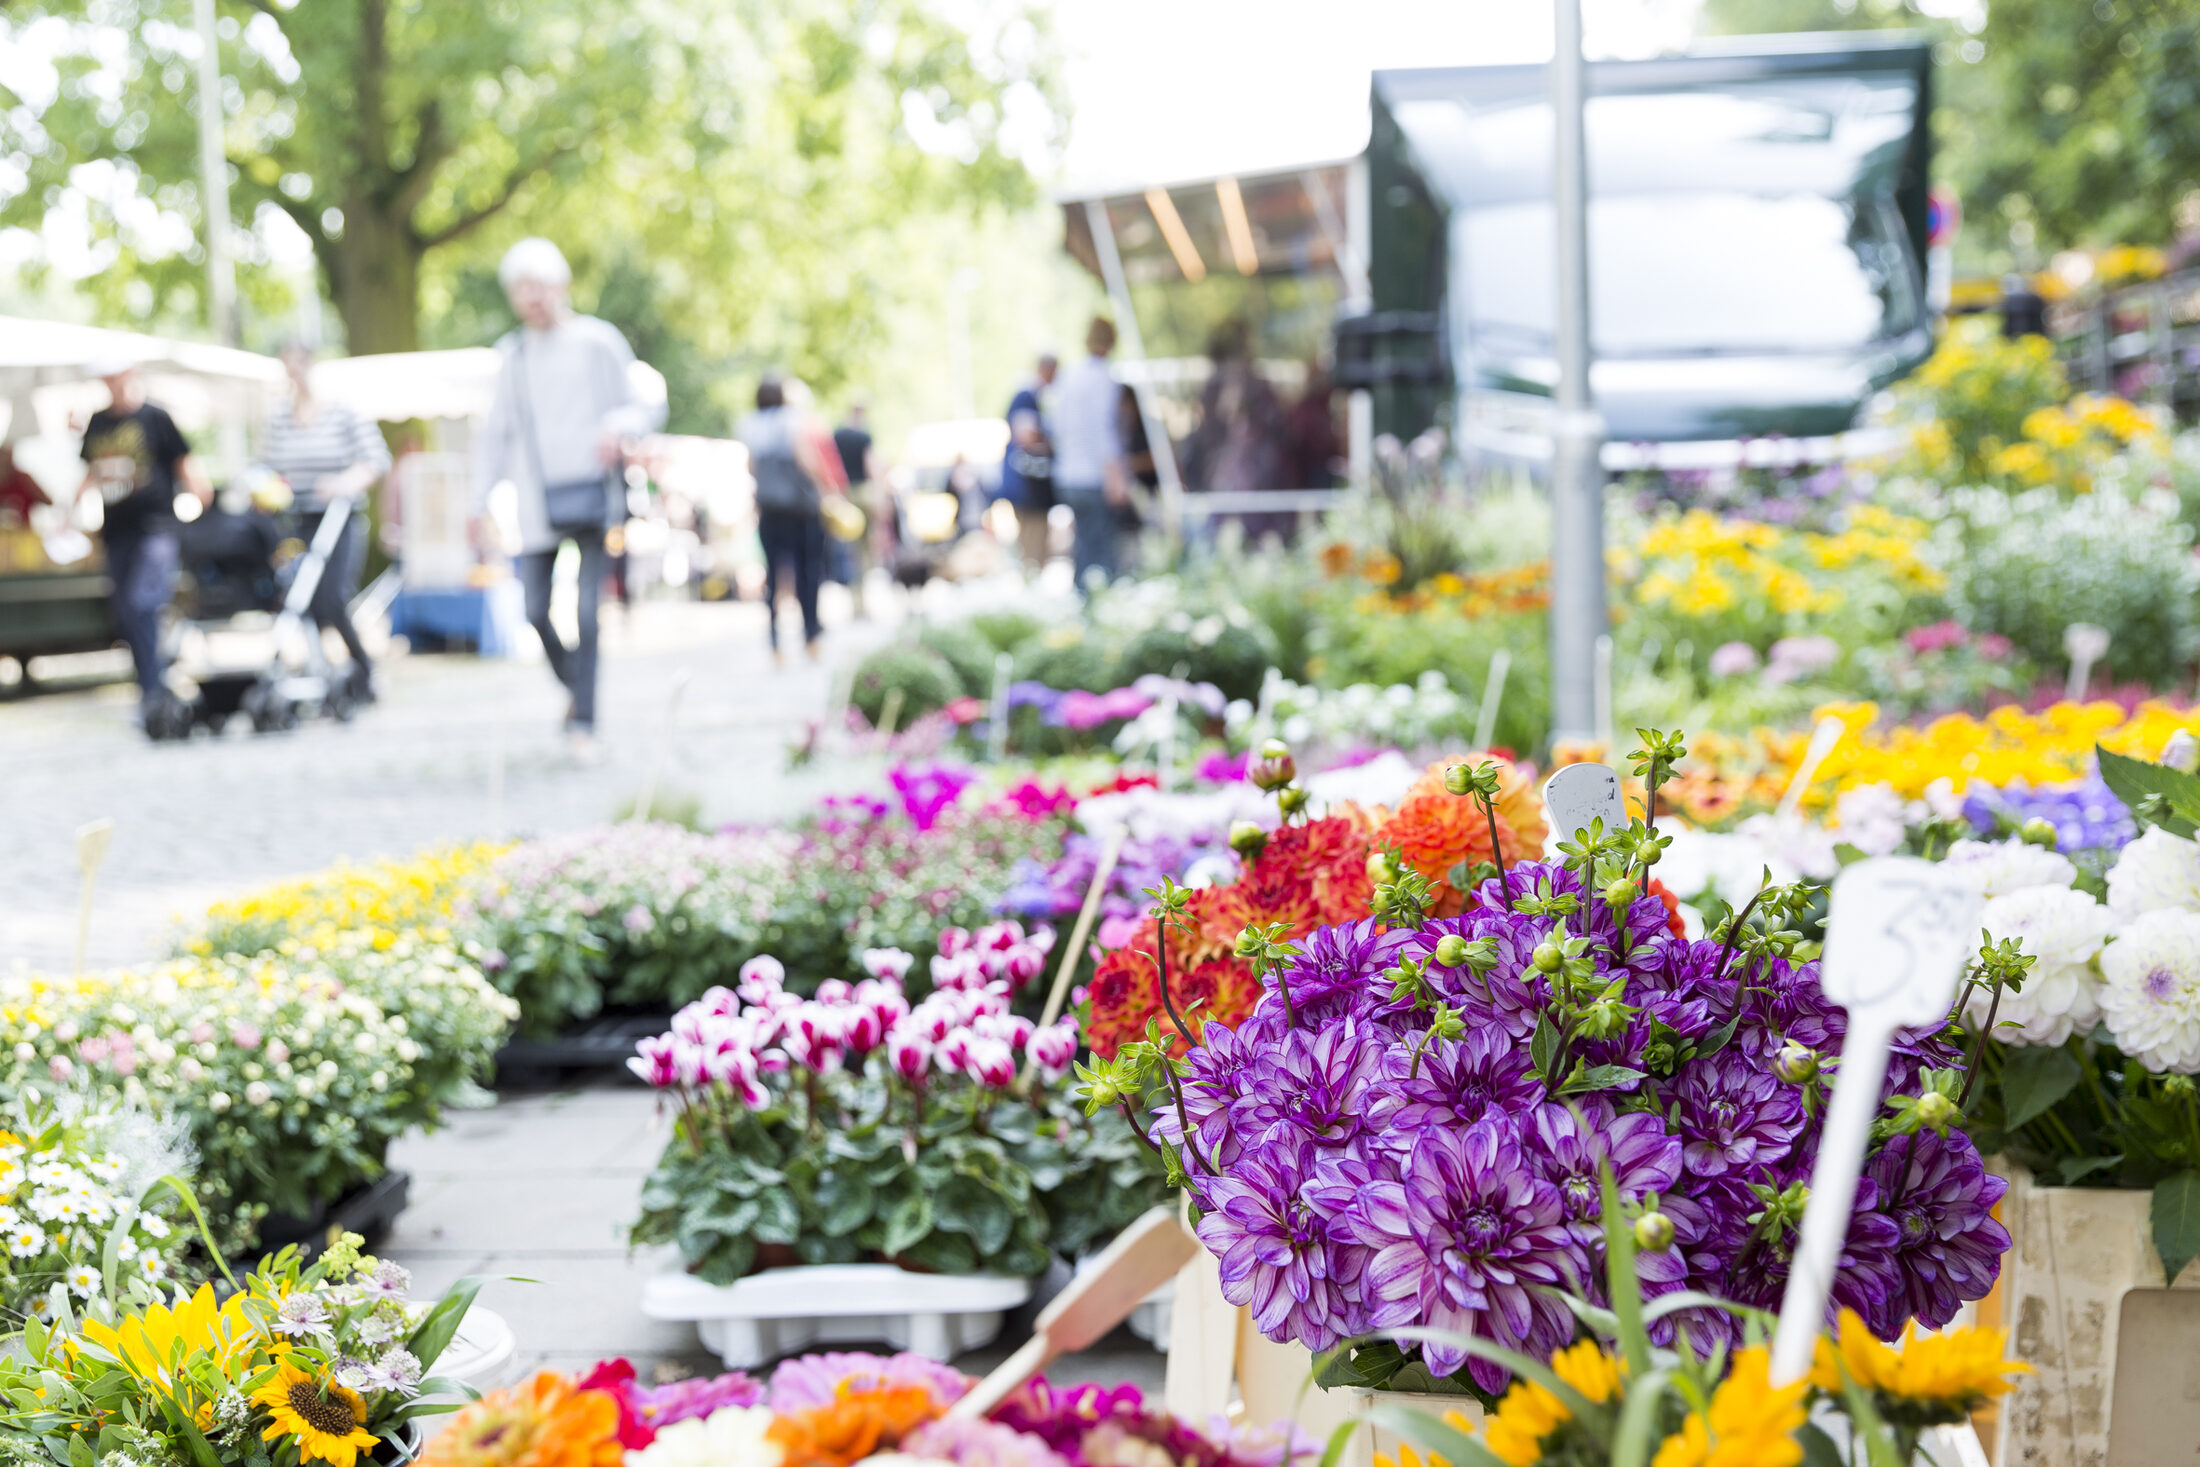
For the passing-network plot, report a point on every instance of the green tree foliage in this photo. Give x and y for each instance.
(723, 172)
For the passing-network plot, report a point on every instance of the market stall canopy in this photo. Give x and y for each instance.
(397, 387)
(45, 376)
(1288, 222)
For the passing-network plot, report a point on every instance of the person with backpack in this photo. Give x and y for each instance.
(792, 478)
(564, 410)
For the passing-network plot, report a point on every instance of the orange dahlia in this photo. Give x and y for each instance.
(854, 1426)
(545, 1422)
(1434, 830)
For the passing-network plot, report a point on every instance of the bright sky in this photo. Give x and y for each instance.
(1167, 89)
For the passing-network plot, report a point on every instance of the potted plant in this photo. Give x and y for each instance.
(857, 1127)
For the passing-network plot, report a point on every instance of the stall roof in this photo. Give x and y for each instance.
(396, 387)
(61, 351)
(1288, 222)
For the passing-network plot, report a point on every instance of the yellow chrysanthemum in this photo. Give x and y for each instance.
(1407, 1457)
(328, 1421)
(1960, 1369)
(1751, 1422)
(158, 1343)
(1515, 1430)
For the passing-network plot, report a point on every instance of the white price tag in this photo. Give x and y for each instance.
(1580, 794)
(1898, 933)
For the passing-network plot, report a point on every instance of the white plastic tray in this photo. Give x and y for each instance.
(786, 1310)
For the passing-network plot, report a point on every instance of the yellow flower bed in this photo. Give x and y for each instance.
(1700, 565)
(384, 901)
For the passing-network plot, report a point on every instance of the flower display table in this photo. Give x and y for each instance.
(786, 1310)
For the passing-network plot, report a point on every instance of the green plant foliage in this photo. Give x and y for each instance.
(926, 681)
(1066, 658)
(1234, 656)
(966, 650)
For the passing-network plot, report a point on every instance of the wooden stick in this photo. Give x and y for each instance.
(1822, 741)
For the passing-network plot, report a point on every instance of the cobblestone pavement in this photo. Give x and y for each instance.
(198, 822)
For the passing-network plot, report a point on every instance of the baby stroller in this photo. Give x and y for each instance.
(240, 582)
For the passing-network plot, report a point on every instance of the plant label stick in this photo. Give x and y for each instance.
(1579, 795)
(92, 841)
(996, 733)
(1823, 738)
(2085, 644)
(1897, 936)
(1493, 693)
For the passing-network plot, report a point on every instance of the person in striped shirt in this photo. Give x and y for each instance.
(327, 452)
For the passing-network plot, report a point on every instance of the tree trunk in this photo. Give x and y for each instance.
(377, 280)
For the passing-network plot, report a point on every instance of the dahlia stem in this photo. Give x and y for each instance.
(1734, 930)
(1138, 1131)
(1283, 986)
(1161, 964)
(1497, 847)
(1978, 1050)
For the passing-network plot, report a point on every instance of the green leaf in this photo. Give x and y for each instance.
(778, 1220)
(729, 1262)
(1339, 1439)
(909, 1222)
(1819, 1449)
(2177, 1221)
(1434, 1434)
(1543, 1048)
(438, 1325)
(1637, 1431)
(844, 1201)
(2076, 1168)
(2132, 780)
(967, 1205)
(1599, 1077)
(2033, 1079)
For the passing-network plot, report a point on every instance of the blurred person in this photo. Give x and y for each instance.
(564, 407)
(1089, 473)
(328, 452)
(135, 459)
(1310, 433)
(852, 443)
(792, 478)
(19, 492)
(1027, 467)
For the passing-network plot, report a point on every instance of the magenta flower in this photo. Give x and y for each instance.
(698, 1398)
(1734, 1115)
(928, 792)
(817, 1380)
(1576, 1142)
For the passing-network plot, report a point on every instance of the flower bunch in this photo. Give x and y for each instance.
(860, 1124)
(1055, 890)
(1425, 714)
(321, 1363)
(1305, 876)
(292, 1080)
(1408, 1126)
(833, 1410)
(1754, 582)
(75, 1171)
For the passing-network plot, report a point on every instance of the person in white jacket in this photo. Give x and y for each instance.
(565, 408)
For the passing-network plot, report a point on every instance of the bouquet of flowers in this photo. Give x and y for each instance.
(834, 1410)
(291, 1080)
(302, 1364)
(859, 1124)
(1407, 1129)
(75, 1172)
(1305, 876)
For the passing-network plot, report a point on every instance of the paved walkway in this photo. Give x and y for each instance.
(210, 819)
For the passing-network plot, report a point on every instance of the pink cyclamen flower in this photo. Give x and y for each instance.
(887, 962)
(909, 1055)
(954, 941)
(1052, 1049)
(991, 1063)
(655, 1062)
(954, 1050)
(760, 976)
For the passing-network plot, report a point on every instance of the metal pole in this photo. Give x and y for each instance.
(221, 271)
(1134, 350)
(1577, 475)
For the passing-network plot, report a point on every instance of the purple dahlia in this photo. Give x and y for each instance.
(1939, 1198)
(1471, 1241)
(1454, 1083)
(1339, 972)
(1576, 1145)
(1508, 996)
(1313, 1083)
(1733, 1115)
(1296, 1265)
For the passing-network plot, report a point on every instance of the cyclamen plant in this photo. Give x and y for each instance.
(858, 1124)
(1408, 1130)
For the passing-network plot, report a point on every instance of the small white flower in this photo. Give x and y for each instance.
(26, 1240)
(257, 1093)
(1997, 868)
(2157, 872)
(2062, 930)
(152, 1266)
(154, 1225)
(731, 1437)
(2150, 990)
(84, 1281)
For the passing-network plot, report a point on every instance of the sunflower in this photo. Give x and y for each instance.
(1751, 1422)
(1959, 1370)
(327, 1420)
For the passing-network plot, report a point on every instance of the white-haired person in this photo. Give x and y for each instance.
(564, 410)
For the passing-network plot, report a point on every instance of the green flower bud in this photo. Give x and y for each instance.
(1451, 951)
(1249, 943)
(2038, 832)
(1291, 800)
(1795, 1063)
(1459, 779)
(1653, 1232)
(1621, 894)
(1383, 868)
(1274, 767)
(1248, 839)
(1549, 957)
(1937, 1110)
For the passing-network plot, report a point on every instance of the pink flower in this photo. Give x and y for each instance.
(955, 1049)
(201, 1032)
(762, 977)
(887, 962)
(1935, 638)
(953, 941)
(277, 1052)
(1052, 1049)
(991, 1063)
(1733, 659)
(965, 711)
(60, 1067)
(655, 1061)
(93, 1051)
(245, 1036)
(909, 1056)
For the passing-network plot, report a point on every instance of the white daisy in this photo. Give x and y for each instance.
(2150, 990)
(84, 1281)
(1997, 868)
(26, 1240)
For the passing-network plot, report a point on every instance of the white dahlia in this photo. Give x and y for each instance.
(2150, 990)
(1997, 868)
(2061, 930)
(2157, 872)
